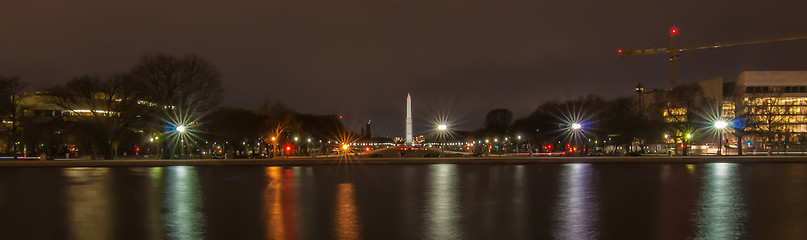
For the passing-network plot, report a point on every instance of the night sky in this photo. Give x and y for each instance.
(359, 58)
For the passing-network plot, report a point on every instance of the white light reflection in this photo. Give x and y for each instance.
(721, 210)
(577, 206)
(519, 202)
(183, 200)
(442, 214)
(153, 205)
(88, 200)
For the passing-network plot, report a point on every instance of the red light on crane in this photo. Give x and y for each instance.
(674, 31)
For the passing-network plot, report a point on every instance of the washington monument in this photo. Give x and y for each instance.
(408, 119)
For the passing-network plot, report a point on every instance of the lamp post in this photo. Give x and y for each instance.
(274, 147)
(577, 128)
(686, 143)
(518, 144)
(442, 128)
(720, 125)
(181, 131)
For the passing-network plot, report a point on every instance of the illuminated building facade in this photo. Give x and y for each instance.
(774, 107)
(767, 108)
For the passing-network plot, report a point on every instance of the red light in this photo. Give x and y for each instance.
(490, 147)
(682, 145)
(340, 116)
(367, 149)
(674, 31)
(288, 148)
(619, 51)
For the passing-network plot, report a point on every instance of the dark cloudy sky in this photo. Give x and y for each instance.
(359, 58)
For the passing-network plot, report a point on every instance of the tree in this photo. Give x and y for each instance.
(768, 116)
(233, 126)
(683, 108)
(190, 82)
(103, 109)
(279, 121)
(10, 97)
(184, 88)
(539, 126)
(498, 120)
(623, 119)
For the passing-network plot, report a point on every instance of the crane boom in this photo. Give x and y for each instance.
(627, 52)
(673, 51)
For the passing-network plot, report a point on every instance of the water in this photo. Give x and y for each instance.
(443, 201)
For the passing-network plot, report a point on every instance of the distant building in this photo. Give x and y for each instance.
(774, 106)
(769, 107)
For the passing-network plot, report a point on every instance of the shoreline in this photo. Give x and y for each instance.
(400, 161)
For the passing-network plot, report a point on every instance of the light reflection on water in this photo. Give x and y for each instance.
(564, 201)
(90, 215)
(184, 218)
(279, 204)
(273, 204)
(442, 210)
(519, 202)
(576, 210)
(721, 207)
(153, 202)
(348, 224)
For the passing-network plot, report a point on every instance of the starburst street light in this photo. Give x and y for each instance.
(181, 129)
(720, 124)
(576, 126)
(442, 128)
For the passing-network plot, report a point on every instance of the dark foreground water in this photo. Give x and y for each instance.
(540, 201)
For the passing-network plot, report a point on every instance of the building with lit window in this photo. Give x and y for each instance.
(773, 105)
(768, 109)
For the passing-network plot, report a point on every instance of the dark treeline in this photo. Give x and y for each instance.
(623, 123)
(140, 111)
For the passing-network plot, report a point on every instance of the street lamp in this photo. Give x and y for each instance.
(720, 125)
(686, 145)
(181, 130)
(442, 128)
(577, 130)
(518, 144)
(274, 147)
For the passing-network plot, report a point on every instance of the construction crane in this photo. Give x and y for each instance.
(675, 52)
